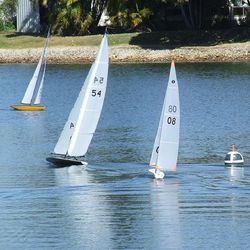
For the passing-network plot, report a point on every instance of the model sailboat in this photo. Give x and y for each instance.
(30, 101)
(165, 151)
(80, 127)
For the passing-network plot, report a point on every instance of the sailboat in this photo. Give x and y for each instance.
(30, 101)
(80, 127)
(165, 150)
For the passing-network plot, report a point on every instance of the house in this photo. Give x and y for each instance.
(28, 17)
(238, 11)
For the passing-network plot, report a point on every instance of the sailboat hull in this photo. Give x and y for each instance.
(158, 174)
(28, 107)
(64, 161)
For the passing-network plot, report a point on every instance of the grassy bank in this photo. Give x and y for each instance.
(18, 41)
(169, 39)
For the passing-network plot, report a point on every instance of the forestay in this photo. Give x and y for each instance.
(83, 119)
(165, 150)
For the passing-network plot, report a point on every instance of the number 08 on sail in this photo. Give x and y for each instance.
(80, 127)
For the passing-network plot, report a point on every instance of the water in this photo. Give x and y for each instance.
(115, 203)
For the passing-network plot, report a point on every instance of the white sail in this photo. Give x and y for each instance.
(27, 98)
(165, 151)
(82, 122)
(154, 155)
(40, 90)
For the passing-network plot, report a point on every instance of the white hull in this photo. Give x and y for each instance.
(234, 162)
(234, 158)
(158, 174)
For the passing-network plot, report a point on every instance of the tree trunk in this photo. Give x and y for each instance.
(185, 17)
(192, 13)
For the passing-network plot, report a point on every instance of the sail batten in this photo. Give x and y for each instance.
(75, 140)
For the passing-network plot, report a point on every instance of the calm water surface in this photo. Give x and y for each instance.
(115, 203)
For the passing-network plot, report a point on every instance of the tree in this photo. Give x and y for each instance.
(79, 17)
(130, 15)
(197, 12)
(192, 13)
(8, 14)
(75, 17)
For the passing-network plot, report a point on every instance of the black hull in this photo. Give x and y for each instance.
(64, 162)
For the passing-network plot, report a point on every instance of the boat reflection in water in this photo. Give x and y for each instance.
(235, 173)
(166, 214)
(84, 217)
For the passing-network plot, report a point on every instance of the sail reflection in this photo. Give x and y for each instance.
(85, 218)
(165, 213)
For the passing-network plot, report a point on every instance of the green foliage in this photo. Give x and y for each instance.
(6, 26)
(7, 15)
(72, 17)
(80, 17)
(68, 16)
(130, 15)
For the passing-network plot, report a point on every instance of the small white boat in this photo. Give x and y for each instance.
(165, 151)
(233, 157)
(80, 127)
(158, 174)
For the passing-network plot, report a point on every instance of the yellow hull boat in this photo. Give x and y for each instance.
(28, 107)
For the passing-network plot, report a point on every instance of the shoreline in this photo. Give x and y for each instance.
(235, 52)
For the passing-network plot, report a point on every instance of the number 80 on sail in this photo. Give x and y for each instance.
(171, 109)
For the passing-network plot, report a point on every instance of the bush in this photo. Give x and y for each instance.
(8, 15)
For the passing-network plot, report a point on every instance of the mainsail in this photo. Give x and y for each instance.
(83, 119)
(165, 150)
(39, 73)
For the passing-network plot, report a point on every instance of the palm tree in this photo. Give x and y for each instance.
(130, 15)
(75, 17)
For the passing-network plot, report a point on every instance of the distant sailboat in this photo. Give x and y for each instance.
(165, 150)
(29, 102)
(80, 127)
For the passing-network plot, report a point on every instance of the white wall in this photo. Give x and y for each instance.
(28, 18)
